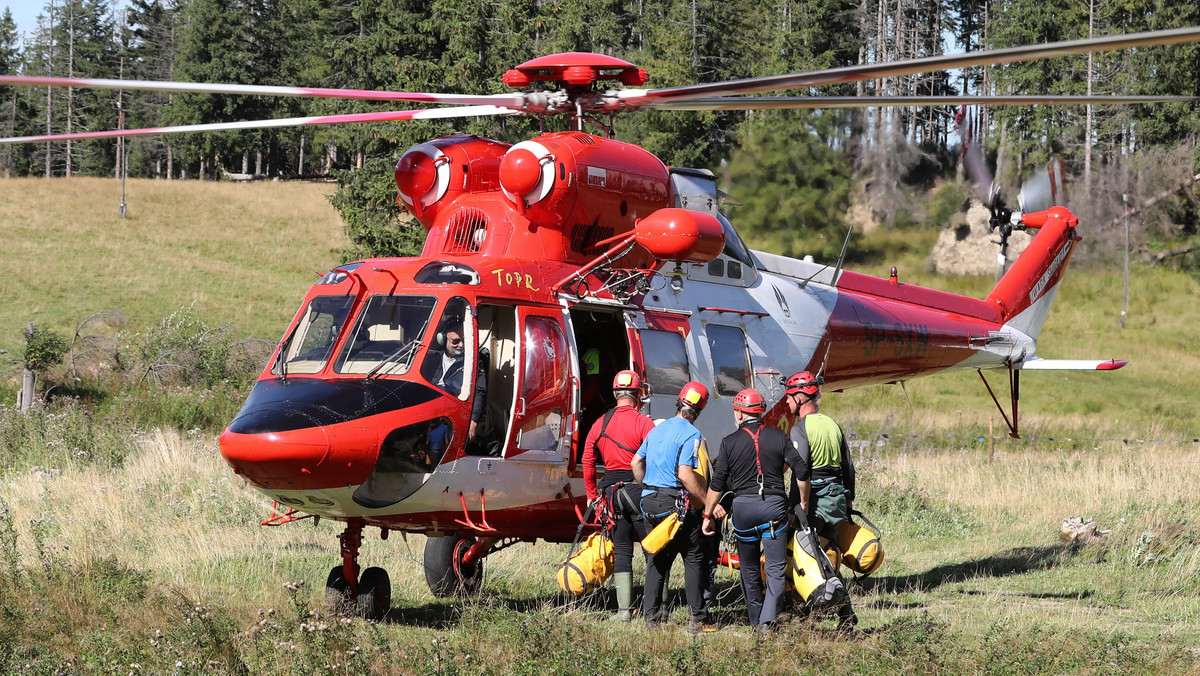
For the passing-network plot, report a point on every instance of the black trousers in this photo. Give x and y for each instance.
(686, 543)
(748, 512)
(623, 497)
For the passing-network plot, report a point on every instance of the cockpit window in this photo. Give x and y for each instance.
(386, 336)
(308, 348)
(735, 248)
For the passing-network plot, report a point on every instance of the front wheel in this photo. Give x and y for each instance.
(445, 572)
(374, 594)
(337, 589)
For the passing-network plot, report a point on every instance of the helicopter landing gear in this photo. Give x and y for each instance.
(454, 564)
(370, 596)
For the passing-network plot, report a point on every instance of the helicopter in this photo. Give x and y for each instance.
(448, 393)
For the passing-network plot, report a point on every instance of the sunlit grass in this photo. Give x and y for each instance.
(169, 544)
(244, 253)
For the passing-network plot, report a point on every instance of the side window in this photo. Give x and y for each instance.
(546, 371)
(730, 358)
(666, 361)
(546, 376)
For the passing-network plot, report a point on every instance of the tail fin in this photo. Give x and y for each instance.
(1027, 290)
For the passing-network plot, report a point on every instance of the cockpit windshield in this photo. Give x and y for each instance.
(388, 334)
(307, 349)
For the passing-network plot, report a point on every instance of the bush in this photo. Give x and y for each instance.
(61, 434)
(43, 349)
(182, 350)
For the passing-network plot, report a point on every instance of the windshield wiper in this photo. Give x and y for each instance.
(397, 355)
(280, 358)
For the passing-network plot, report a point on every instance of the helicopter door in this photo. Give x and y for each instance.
(543, 412)
(602, 344)
(665, 362)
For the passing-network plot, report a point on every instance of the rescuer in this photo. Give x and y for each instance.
(750, 465)
(617, 436)
(665, 465)
(823, 488)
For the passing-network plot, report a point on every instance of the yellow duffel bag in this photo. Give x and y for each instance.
(588, 569)
(815, 581)
(861, 549)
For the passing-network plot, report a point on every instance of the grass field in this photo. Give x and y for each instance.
(245, 254)
(145, 555)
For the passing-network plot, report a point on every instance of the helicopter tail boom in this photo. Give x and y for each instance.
(1024, 294)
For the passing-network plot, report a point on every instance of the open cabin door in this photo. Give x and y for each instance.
(544, 408)
(601, 341)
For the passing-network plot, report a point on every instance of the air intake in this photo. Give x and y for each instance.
(466, 231)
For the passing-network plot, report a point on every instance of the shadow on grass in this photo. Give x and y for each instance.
(447, 613)
(1015, 561)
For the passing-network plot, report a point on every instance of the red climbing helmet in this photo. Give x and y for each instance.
(749, 401)
(627, 380)
(694, 396)
(803, 382)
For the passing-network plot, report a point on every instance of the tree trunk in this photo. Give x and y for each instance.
(49, 71)
(70, 73)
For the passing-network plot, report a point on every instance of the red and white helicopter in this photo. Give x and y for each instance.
(448, 394)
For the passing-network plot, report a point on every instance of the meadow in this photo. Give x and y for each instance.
(131, 548)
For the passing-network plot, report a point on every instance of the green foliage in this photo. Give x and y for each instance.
(43, 349)
(63, 433)
(795, 187)
(182, 348)
(903, 507)
(366, 200)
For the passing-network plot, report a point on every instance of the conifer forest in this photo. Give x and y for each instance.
(788, 167)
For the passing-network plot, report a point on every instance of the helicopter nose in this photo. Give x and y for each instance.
(277, 459)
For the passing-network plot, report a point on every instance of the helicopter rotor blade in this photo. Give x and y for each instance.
(972, 157)
(802, 102)
(1046, 188)
(514, 100)
(754, 85)
(425, 114)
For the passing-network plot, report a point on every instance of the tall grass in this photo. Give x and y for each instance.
(158, 561)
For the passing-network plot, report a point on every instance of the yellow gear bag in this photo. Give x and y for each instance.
(663, 533)
(804, 574)
(860, 545)
(587, 570)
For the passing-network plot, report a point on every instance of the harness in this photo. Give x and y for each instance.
(604, 433)
(766, 531)
(616, 491)
(680, 504)
(771, 529)
(757, 457)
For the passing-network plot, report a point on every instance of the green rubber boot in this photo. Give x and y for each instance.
(623, 583)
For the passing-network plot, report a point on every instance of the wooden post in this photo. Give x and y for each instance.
(28, 379)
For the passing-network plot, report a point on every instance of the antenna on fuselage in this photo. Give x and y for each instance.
(842, 256)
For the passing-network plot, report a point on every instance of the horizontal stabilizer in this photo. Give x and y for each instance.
(1039, 364)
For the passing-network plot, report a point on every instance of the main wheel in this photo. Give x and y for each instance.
(337, 589)
(445, 572)
(374, 594)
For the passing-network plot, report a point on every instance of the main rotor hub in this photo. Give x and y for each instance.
(575, 70)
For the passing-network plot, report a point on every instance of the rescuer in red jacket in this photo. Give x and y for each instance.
(617, 436)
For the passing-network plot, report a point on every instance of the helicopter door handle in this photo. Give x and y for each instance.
(520, 406)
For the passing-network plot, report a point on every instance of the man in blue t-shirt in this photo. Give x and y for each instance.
(665, 465)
